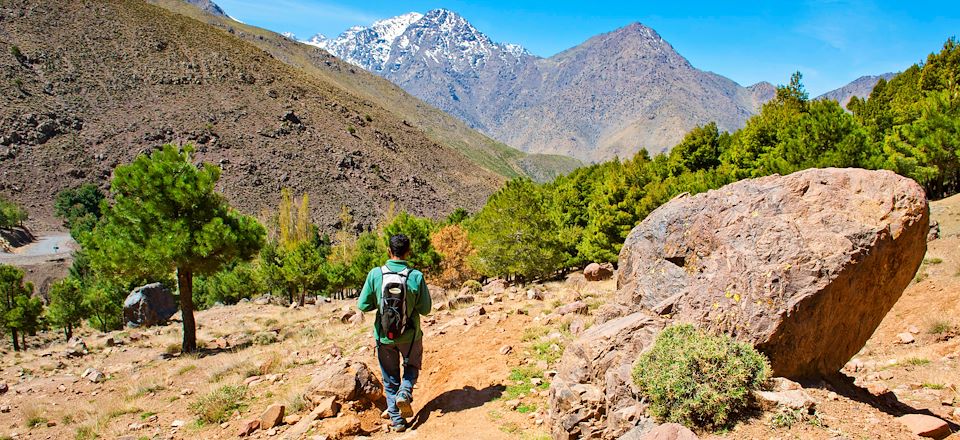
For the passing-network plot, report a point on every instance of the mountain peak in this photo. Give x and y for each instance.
(208, 6)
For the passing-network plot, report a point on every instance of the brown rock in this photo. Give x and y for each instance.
(792, 399)
(248, 427)
(579, 307)
(803, 266)
(345, 380)
(505, 350)
(4, 387)
(356, 319)
(598, 272)
(905, 338)
(343, 427)
(496, 287)
(273, 416)
(292, 419)
(326, 407)
(670, 431)
(594, 377)
(346, 315)
(460, 301)
(925, 426)
(577, 326)
(476, 311)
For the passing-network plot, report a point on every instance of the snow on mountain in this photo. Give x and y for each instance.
(438, 35)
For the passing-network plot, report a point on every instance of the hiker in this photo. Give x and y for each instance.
(399, 295)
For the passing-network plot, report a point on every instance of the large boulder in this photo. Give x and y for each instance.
(598, 272)
(803, 266)
(149, 305)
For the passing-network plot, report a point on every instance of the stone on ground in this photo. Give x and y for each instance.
(578, 307)
(272, 416)
(598, 272)
(594, 377)
(248, 427)
(925, 426)
(149, 305)
(803, 266)
(342, 427)
(345, 380)
(670, 431)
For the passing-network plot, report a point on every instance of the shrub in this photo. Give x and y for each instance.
(698, 379)
(351, 129)
(217, 406)
(264, 338)
(474, 285)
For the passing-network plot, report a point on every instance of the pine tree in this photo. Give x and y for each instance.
(67, 309)
(167, 217)
(19, 310)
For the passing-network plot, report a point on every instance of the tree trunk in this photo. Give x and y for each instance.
(16, 343)
(68, 331)
(185, 286)
(303, 295)
(23, 340)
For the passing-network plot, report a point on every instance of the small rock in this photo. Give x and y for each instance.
(4, 387)
(512, 404)
(476, 311)
(110, 342)
(877, 389)
(598, 272)
(534, 294)
(905, 338)
(913, 329)
(885, 375)
(93, 375)
(578, 307)
(4, 409)
(536, 381)
(925, 426)
(505, 350)
(177, 423)
(272, 432)
(793, 399)
(670, 431)
(326, 407)
(248, 381)
(344, 426)
(186, 392)
(292, 419)
(248, 427)
(273, 416)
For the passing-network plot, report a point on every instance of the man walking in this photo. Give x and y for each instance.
(399, 295)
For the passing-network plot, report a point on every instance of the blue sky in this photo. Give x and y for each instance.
(832, 42)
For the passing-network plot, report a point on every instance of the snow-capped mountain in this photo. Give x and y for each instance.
(609, 96)
(367, 47)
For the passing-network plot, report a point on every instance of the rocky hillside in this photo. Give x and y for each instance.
(437, 125)
(207, 6)
(609, 96)
(860, 87)
(87, 86)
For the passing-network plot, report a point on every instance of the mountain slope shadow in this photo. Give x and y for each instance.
(457, 400)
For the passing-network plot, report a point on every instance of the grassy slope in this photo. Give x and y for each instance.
(439, 126)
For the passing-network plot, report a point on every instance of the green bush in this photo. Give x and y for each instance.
(698, 379)
(473, 285)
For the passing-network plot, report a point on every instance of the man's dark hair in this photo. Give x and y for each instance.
(399, 245)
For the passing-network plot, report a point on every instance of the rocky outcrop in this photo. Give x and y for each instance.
(592, 394)
(149, 305)
(346, 381)
(803, 266)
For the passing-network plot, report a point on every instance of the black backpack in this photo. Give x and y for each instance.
(394, 317)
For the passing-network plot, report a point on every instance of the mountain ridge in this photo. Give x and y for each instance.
(560, 104)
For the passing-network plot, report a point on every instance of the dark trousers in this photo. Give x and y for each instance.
(391, 359)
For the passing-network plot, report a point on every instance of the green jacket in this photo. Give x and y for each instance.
(418, 300)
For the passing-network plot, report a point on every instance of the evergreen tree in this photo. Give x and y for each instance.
(514, 234)
(166, 216)
(19, 310)
(79, 208)
(67, 309)
(11, 215)
(418, 229)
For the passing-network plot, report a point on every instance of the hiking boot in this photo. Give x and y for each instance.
(399, 427)
(404, 402)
